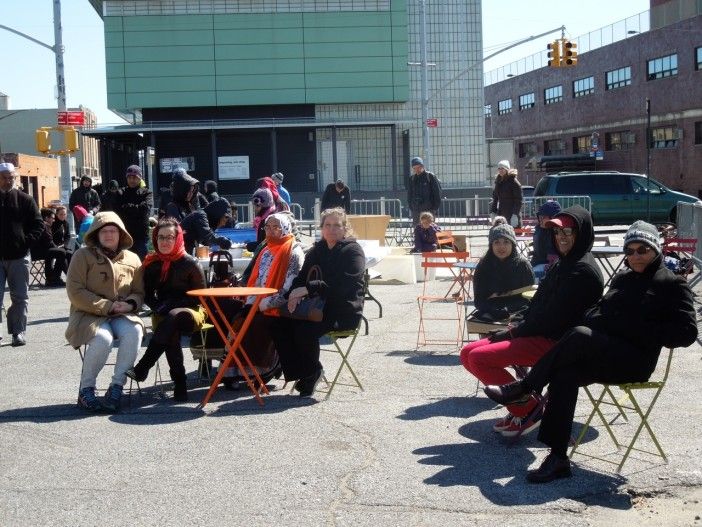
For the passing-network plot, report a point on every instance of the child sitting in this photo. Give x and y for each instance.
(425, 234)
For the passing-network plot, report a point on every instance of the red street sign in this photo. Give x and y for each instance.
(432, 123)
(70, 118)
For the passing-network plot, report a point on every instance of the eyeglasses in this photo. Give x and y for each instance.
(641, 249)
(169, 238)
(564, 231)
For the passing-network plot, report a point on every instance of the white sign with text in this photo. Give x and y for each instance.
(233, 167)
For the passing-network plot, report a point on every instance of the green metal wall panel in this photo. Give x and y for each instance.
(248, 59)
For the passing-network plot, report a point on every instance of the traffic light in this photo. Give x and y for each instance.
(70, 139)
(43, 140)
(554, 54)
(570, 55)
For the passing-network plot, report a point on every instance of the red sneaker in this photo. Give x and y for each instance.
(503, 423)
(522, 425)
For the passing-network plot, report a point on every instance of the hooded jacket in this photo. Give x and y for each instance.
(570, 287)
(85, 196)
(94, 282)
(211, 191)
(647, 311)
(135, 210)
(20, 224)
(507, 195)
(493, 275)
(198, 226)
(342, 282)
(179, 207)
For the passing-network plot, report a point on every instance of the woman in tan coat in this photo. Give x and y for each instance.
(106, 290)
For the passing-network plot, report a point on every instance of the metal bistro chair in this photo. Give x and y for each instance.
(643, 412)
(203, 353)
(344, 352)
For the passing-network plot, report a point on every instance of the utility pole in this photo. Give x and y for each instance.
(424, 80)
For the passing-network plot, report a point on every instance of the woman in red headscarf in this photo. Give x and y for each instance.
(169, 273)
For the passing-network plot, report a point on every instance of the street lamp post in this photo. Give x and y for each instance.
(424, 80)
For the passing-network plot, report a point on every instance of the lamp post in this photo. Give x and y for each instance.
(57, 49)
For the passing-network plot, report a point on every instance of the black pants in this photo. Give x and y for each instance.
(55, 263)
(297, 343)
(166, 338)
(580, 358)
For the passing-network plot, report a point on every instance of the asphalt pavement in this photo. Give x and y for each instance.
(414, 448)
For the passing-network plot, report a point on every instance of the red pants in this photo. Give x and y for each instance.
(488, 360)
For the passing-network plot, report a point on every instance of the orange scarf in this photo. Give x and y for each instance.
(281, 251)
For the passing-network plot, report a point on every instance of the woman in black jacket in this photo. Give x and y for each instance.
(500, 271)
(570, 287)
(342, 263)
(169, 273)
(646, 307)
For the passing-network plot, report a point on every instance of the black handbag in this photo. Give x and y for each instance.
(310, 307)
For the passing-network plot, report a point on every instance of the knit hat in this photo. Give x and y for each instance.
(134, 170)
(113, 184)
(550, 209)
(504, 164)
(643, 232)
(417, 161)
(263, 196)
(278, 177)
(503, 230)
(7, 167)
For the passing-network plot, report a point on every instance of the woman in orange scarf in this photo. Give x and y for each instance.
(275, 265)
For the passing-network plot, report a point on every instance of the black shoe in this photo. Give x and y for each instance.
(553, 467)
(18, 339)
(55, 282)
(180, 392)
(512, 393)
(275, 373)
(308, 385)
(135, 375)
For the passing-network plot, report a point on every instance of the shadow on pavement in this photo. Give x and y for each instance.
(47, 321)
(460, 407)
(160, 414)
(434, 360)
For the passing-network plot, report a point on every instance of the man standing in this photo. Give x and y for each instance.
(424, 192)
(337, 195)
(20, 225)
(282, 191)
(85, 196)
(137, 202)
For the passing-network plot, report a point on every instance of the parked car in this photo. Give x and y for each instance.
(617, 198)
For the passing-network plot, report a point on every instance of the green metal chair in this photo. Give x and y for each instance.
(608, 397)
(335, 337)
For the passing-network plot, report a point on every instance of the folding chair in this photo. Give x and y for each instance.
(684, 250)
(445, 240)
(335, 337)
(204, 354)
(607, 397)
(36, 273)
(442, 260)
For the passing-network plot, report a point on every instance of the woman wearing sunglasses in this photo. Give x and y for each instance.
(646, 307)
(264, 206)
(570, 287)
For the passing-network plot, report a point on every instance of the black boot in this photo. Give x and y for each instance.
(513, 393)
(151, 356)
(553, 467)
(180, 387)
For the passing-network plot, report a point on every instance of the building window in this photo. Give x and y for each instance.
(504, 107)
(664, 137)
(553, 94)
(618, 78)
(698, 133)
(555, 147)
(663, 67)
(584, 86)
(527, 149)
(623, 140)
(526, 101)
(581, 144)
(698, 58)
(488, 110)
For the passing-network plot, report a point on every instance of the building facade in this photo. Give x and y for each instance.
(594, 115)
(320, 90)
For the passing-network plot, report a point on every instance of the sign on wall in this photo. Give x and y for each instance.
(169, 164)
(233, 167)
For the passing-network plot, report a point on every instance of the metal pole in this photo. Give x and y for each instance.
(66, 184)
(424, 80)
(648, 159)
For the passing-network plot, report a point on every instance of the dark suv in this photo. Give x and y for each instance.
(617, 198)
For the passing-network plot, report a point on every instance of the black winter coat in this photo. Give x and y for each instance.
(332, 198)
(20, 224)
(342, 267)
(424, 192)
(85, 196)
(196, 229)
(507, 196)
(184, 274)
(647, 310)
(110, 201)
(135, 209)
(60, 232)
(493, 275)
(570, 287)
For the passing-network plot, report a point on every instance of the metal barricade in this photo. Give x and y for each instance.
(297, 211)
(244, 212)
(689, 224)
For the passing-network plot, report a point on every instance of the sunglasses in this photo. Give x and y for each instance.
(565, 231)
(641, 249)
(257, 201)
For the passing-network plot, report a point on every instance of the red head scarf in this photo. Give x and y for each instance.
(176, 254)
(268, 183)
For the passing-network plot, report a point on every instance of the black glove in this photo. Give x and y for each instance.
(498, 335)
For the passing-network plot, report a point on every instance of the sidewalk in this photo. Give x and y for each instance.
(415, 448)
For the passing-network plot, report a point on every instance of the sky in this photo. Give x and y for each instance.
(30, 76)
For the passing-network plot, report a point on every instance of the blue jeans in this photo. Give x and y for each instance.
(16, 272)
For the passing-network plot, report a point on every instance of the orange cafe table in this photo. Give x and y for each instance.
(235, 350)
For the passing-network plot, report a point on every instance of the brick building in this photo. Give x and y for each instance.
(559, 111)
(39, 176)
